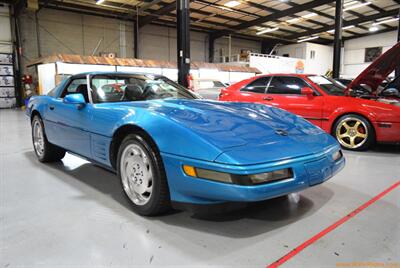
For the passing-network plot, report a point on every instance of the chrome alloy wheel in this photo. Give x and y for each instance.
(38, 138)
(351, 132)
(136, 174)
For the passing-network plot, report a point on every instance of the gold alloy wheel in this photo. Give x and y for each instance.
(351, 132)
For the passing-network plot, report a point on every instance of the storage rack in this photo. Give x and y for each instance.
(7, 88)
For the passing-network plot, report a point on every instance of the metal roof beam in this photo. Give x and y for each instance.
(357, 21)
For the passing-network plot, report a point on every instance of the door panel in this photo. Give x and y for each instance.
(69, 126)
(285, 92)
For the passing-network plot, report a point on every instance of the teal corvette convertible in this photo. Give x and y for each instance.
(169, 147)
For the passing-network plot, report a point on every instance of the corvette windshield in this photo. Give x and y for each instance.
(328, 85)
(138, 87)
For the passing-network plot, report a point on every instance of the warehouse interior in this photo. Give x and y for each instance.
(73, 213)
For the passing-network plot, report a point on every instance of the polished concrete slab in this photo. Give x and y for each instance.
(73, 214)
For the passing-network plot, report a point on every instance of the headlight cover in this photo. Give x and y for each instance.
(252, 179)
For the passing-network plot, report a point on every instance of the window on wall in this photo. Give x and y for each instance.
(286, 85)
(312, 54)
(257, 86)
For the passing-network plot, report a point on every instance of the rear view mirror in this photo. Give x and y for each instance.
(76, 99)
(307, 91)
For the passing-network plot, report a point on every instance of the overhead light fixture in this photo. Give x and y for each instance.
(232, 4)
(267, 31)
(348, 27)
(357, 6)
(98, 2)
(307, 39)
(385, 21)
(350, 3)
(344, 28)
(373, 29)
(309, 15)
(293, 20)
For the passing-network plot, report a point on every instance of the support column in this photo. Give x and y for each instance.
(337, 43)
(135, 40)
(398, 40)
(211, 42)
(183, 38)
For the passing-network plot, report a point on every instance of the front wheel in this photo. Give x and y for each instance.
(44, 150)
(354, 132)
(142, 176)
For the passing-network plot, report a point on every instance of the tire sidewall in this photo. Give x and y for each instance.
(157, 170)
(40, 157)
(371, 132)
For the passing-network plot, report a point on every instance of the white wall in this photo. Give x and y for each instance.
(294, 50)
(323, 60)
(354, 51)
(320, 64)
(64, 32)
(5, 30)
(159, 43)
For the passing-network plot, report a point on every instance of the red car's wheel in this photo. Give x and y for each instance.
(354, 132)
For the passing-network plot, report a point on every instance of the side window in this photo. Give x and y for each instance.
(73, 86)
(76, 86)
(257, 86)
(286, 85)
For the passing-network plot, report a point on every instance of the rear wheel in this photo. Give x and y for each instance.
(142, 176)
(44, 150)
(354, 132)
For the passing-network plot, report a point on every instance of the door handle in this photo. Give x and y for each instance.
(51, 107)
(268, 98)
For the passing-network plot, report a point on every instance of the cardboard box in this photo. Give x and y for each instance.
(6, 58)
(6, 70)
(7, 102)
(7, 92)
(6, 81)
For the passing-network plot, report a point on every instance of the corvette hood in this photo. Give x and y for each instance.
(245, 133)
(379, 70)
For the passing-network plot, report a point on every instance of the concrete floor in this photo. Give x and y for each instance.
(72, 214)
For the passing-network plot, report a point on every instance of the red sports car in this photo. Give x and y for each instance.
(358, 115)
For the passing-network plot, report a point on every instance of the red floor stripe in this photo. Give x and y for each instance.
(313, 239)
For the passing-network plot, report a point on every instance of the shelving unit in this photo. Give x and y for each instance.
(7, 89)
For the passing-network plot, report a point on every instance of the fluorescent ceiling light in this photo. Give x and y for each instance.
(385, 21)
(344, 28)
(307, 39)
(309, 15)
(350, 3)
(232, 4)
(267, 31)
(98, 2)
(373, 29)
(357, 6)
(348, 27)
(293, 20)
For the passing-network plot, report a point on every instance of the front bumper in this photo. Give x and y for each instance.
(308, 171)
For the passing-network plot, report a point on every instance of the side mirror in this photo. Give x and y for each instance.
(76, 99)
(307, 91)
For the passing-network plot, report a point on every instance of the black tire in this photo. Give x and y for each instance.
(51, 152)
(159, 200)
(361, 144)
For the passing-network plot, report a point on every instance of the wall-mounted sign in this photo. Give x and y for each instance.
(372, 53)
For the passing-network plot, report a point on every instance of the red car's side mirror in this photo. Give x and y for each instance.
(307, 91)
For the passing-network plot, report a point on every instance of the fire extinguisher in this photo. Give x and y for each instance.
(190, 82)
